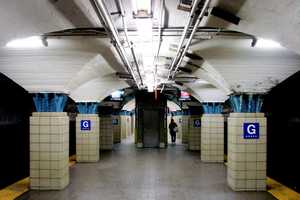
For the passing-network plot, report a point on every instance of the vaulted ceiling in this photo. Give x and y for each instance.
(85, 67)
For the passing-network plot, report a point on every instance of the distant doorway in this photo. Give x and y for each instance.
(151, 128)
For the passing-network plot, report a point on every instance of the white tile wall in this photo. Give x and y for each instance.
(194, 139)
(106, 133)
(246, 169)
(49, 151)
(212, 138)
(185, 128)
(87, 142)
(123, 127)
(126, 126)
(133, 125)
(117, 129)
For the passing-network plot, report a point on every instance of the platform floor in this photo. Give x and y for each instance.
(128, 173)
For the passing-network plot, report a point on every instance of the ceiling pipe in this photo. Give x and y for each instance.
(185, 31)
(183, 52)
(161, 15)
(107, 23)
(165, 32)
(129, 43)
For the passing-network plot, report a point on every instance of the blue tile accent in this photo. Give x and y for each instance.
(125, 112)
(49, 102)
(247, 103)
(212, 108)
(87, 107)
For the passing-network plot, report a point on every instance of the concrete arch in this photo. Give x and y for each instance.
(97, 89)
(130, 105)
(244, 68)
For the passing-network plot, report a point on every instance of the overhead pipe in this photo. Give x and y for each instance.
(105, 26)
(129, 43)
(199, 19)
(161, 15)
(107, 23)
(179, 53)
(185, 31)
(170, 31)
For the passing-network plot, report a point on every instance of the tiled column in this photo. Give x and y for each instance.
(123, 126)
(185, 128)
(116, 121)
(246, 169)
(133, 124)
(128, 126)
(49, 150)
(194, 133)
(106, 133)
(87, 140)
(212, 138)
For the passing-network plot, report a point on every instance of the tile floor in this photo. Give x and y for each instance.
(128, 173)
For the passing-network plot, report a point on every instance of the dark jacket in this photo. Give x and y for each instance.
(172, 127)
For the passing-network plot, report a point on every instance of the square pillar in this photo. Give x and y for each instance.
(87, 138)
(49, 150)
(194, 133)
(185, 128)
(106, 133)
(116, 121)
(212, 138)
(128, 126)
(123, 127)
(247, 152)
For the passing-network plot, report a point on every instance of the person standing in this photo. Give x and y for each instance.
(173, 130)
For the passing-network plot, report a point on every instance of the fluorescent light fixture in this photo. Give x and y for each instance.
(150, 88)
(201, 81)
(30, 42)
(117, 94)
(265, 43)
(142, 8)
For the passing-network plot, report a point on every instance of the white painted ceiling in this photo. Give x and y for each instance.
(85, 68)
(173, 106)
(130, 105)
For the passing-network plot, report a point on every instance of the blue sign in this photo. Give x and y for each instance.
(251, 130)
(115, 121)
(85, 125)
(197, 123)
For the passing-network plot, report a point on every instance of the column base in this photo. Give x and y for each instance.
(139, 145)
(162, 145)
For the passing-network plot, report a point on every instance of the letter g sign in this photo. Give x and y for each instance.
(85, 125)
(251, 130)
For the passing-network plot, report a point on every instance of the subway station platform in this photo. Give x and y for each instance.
(146, 174)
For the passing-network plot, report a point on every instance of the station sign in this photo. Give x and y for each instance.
(85, 125)
(197, 123)
(251, 130)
